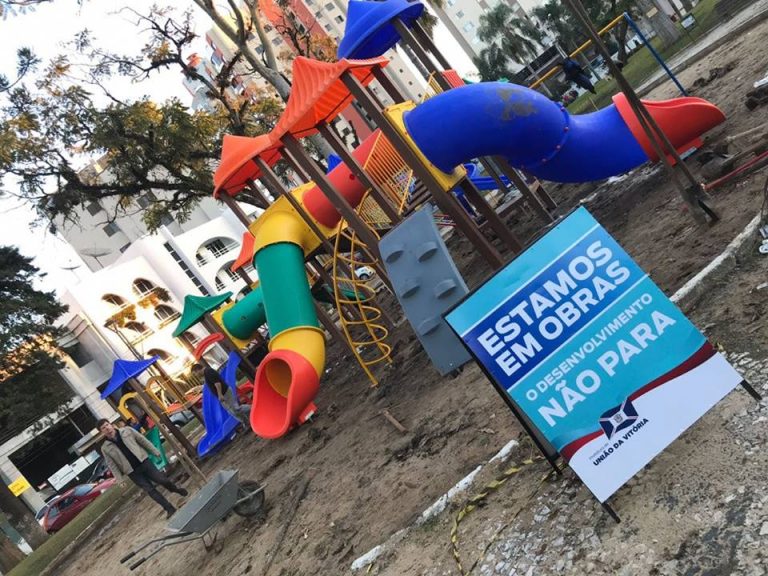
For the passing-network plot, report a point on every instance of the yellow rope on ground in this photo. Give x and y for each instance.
(478, 499)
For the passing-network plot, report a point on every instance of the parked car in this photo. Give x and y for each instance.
(364, 273)
(100, 472)
(40, 516)
(181, 417)
(60, 511)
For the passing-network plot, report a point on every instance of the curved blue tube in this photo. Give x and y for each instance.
(532, 132)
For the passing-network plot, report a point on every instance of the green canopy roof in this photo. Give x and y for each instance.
(195, 307)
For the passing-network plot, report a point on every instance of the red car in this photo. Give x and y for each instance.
(63, 509)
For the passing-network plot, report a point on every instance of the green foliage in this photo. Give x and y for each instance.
(31, 387)
(67, 118)
(508, 38)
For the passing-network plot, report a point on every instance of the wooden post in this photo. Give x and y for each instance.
(340, 203)
(449, 205)
(497, 225)
(422, 37)
(160, 417)
(529, 195)
(378, 194)
(182, 446)
(232, 204)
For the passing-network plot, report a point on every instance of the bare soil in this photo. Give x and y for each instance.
(367, 480)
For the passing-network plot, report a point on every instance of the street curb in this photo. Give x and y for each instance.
(693, 290)
(686, 296)
(743, 27)
(437, 508)
(101, 520)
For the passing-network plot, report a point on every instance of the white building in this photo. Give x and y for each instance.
(462, 18)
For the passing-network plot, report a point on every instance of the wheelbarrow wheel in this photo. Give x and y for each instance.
(254, 504)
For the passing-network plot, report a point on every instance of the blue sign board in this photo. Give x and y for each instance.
(599, 360)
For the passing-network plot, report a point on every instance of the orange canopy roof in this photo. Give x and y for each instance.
(246, 252)
(318, 93)
(236, 167)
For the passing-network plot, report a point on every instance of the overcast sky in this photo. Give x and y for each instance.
(46, 30)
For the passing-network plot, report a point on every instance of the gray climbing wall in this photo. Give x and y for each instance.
(427, 284)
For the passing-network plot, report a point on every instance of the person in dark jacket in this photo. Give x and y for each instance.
(216, 384)
(126, 452)
(575, 73)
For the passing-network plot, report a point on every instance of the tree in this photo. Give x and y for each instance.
(665, 28)
(60, 122)
(27, 361)
(21, 518)
(10, 554)
(13, 7)
(517, 38)
(492, 64)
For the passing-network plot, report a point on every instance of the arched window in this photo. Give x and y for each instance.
(219, 284)
(214, 248)
(114, 300)
(166, 313)
(142, 287)
(139, 330)
(240, 295)
(190, 338)
(164, 356)
(225, 276)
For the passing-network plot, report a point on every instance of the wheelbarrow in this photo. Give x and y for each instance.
(220, 496)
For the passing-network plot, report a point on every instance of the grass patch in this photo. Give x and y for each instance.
(642, 65)
(35, 563)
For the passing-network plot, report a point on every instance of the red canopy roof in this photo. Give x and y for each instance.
(246, 252)
(318, 95)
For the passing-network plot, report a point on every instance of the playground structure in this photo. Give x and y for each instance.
(310, 240)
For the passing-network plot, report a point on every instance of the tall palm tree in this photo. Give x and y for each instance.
(517, 38)
(492, 64)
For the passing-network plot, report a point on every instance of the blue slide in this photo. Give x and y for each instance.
(220, 425)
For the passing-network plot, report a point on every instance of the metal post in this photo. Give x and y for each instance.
(378, 194)
(692, 195)
(449, 205)
(654, 53)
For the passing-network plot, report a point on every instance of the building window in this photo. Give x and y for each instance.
(475, 40)
(166, 220)
(146, 199)
(166, 314)
(469, 26)
(164, 356)
(328, 27)
(214, 249)
(319, 14)
(139, 329)
(114, 299)
(248, 268)
(219, 284)
(329, 6)
(190, 338)
(183, 265)
(339, 19)
(450, 2)
(93, 208)
(142, 287)
(460, 14)
(277, 40)
(111, 229)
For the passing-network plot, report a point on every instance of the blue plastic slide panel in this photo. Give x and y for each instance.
(427, 284)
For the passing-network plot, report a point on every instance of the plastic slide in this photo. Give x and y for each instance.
(220, 425)
(539, 136)
(486, 119)
(482, 182)
(288, 378)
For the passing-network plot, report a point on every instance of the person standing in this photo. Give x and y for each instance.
(224, 393)
(126, 452)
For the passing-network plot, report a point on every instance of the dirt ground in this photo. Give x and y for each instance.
(347, 481)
